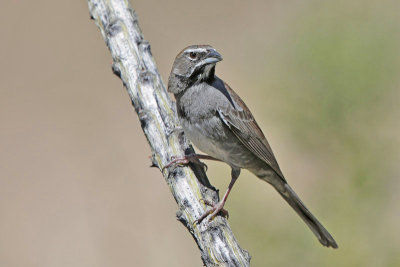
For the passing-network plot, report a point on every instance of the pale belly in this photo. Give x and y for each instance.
(215, 139)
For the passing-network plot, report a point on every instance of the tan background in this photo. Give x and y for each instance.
(321, 77)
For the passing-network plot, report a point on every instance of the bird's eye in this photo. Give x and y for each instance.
(192, 55)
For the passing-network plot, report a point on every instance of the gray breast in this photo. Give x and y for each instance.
(197, 109)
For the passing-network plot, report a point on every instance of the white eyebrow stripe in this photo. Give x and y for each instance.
(199, 49)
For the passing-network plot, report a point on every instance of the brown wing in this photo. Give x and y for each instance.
(245, 127)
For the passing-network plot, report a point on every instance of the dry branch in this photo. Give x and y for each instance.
(134, 64)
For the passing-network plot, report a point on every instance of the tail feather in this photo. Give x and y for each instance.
(316, 227)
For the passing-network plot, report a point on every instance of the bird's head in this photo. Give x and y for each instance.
(194, 64)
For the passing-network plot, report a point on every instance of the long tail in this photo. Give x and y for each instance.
(316, 227)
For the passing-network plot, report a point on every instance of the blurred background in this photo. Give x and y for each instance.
(321, 78)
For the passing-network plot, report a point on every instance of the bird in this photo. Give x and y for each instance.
(218, 122)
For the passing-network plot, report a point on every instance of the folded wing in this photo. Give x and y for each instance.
(242, 123)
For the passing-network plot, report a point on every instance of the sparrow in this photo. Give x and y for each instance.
(219, 123)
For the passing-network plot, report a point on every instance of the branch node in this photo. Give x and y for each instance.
(145, 45)
(113, 28)
(154, 163)
(115, 69)
(143, 118)
(145, 75)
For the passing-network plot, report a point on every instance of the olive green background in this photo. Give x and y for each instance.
(321, 77)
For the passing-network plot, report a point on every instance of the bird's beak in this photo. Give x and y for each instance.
(213, 57)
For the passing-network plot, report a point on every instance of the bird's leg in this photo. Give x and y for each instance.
(219, 207)
(191, 158)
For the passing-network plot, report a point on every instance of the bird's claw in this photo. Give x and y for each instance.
(176, 161)
(214, 211)
(184, 161)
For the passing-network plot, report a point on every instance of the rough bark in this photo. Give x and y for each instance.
(134, 64)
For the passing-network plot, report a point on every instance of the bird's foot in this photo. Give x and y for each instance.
(214, 211)
(185, 160)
